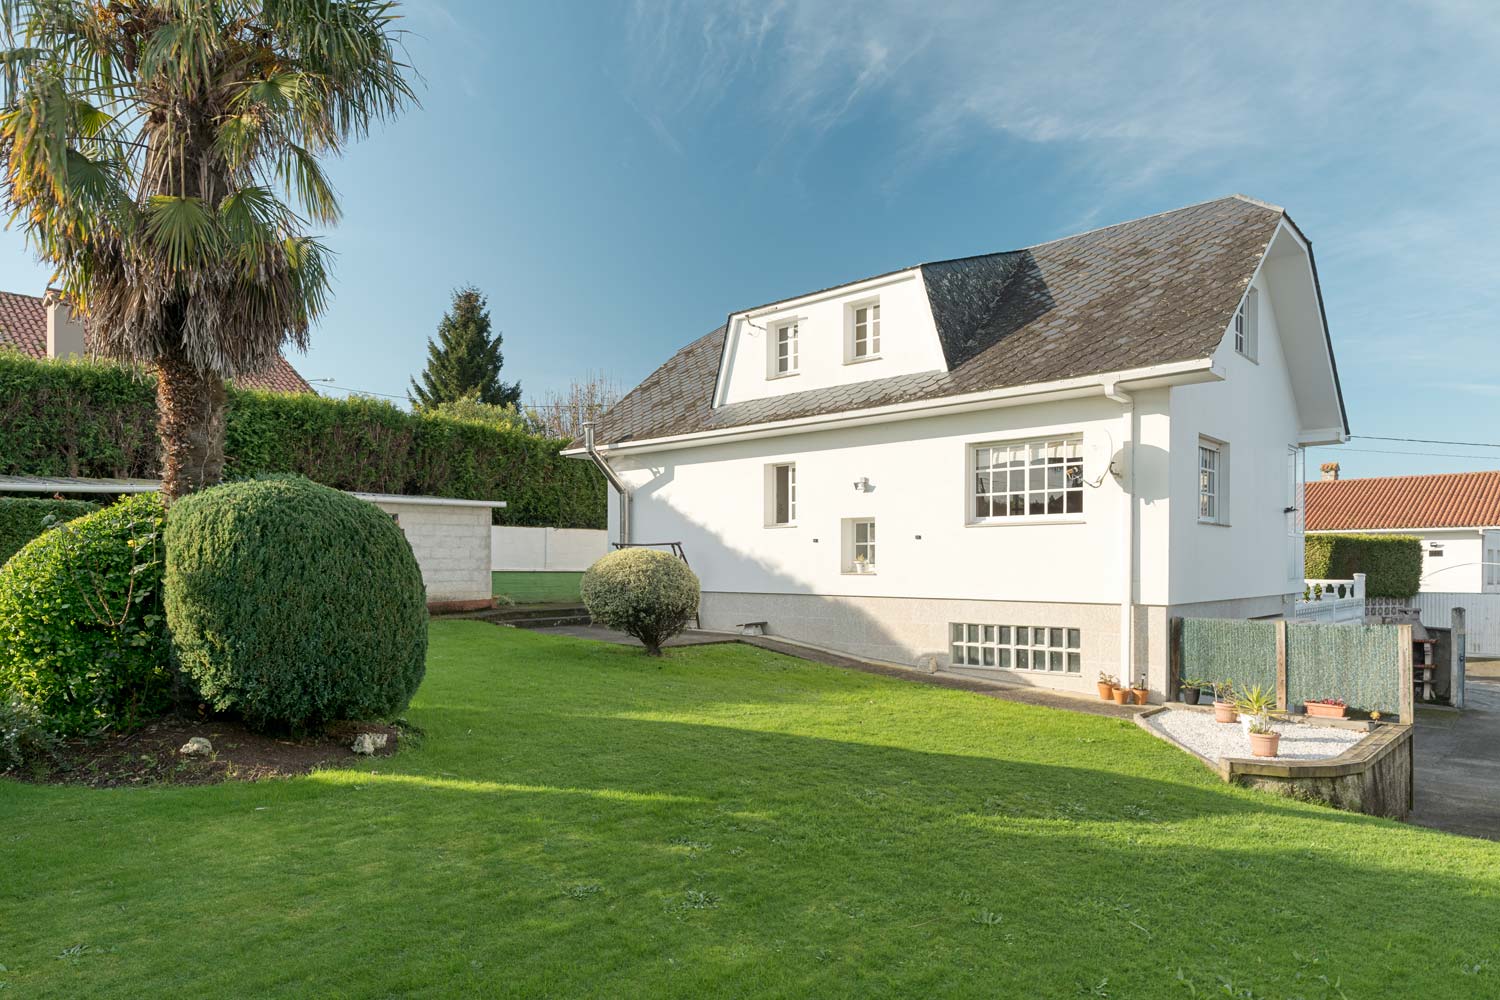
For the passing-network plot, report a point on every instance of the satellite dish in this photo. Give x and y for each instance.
(1099, 458)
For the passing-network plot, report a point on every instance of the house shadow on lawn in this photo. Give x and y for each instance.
(795, 833)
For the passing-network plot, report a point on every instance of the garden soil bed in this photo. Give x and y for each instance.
(151, 755)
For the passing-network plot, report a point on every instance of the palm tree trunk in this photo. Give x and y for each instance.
(190, 422)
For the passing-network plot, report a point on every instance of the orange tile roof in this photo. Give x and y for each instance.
(1451, 500)
(23, 326)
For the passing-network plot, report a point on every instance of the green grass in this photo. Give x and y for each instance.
(584, 821)
(537, 588)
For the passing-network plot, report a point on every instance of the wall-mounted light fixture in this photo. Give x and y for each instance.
(862, 484)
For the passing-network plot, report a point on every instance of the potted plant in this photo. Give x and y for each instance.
(1139, 692)
(1325, 708)
(861, 564)
(1190, 692)
(1255, 707)
(1264, 741)
(1224, 710)
(1107, 685)
(1121, 695)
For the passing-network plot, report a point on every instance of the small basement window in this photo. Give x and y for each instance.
(1037, 648)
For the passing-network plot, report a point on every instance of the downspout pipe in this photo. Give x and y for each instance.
(613, 478)
(1126, 477)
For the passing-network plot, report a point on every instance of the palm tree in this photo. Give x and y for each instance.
(163, 156)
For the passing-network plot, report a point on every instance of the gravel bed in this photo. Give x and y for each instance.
(1200, 733)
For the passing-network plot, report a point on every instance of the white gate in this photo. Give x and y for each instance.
(1483, 617)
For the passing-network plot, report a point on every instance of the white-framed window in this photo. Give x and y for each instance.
(1245, 322)
(1492, 567)
(1213, 481)
(784, 359)
(864, 332)
(859, 545)
(1026, 479)
(1038, 648)
(781, 494)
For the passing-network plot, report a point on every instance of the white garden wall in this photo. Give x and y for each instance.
(545, 550)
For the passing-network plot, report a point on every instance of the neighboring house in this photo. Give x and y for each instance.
(1456, 515)
(46, 328)
(1020, 464)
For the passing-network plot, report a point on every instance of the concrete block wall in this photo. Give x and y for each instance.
(545, 550)
(452, 545)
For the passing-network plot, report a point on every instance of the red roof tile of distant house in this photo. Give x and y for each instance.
(1452, 500)
(23, 326)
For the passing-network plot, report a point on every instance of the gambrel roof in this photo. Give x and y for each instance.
(1148, 292)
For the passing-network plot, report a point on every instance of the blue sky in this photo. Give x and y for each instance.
(617, 177)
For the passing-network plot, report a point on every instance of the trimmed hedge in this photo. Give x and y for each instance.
(23, 518)
(82, 634)
(644, 593)
(91, 419)
(294, 604)
(1392, 564)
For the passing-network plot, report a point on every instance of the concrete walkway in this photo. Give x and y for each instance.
(1005, 692)
(1458, 764)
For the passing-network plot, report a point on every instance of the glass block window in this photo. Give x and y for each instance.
(1038, 648)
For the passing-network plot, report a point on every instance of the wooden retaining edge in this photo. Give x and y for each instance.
(1352, 761)
(1356, 759)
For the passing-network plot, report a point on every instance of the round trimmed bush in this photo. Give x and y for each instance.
(82, 634)
(642, 592)
(294, 604)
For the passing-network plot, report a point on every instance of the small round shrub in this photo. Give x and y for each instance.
(82, 634)
(294, 604)
(642, 592)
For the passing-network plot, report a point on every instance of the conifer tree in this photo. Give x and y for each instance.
(464, 361)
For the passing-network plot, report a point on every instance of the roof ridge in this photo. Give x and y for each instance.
(1413, 475)
(1155, 215)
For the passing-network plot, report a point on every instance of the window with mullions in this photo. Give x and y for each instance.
(1028, 479)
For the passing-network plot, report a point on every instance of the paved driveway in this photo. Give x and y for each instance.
(1458, 764)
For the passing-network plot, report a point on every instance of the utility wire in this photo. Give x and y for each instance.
(1383, 451)
(1466, 444)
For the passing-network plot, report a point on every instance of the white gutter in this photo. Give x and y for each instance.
(614, 479)
(1175, 373)
(1113, 391)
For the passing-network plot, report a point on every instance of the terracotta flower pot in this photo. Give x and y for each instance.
(1122, 696)
(1106, 691)
(1319, 710)
(1264, 744)
(1140, 695)
(1224, 711)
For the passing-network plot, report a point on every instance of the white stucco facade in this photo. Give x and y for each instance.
(1127, 552)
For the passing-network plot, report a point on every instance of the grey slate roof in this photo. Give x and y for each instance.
(1148, 292)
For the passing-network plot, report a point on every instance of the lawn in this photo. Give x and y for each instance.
(536, 587)
(584, 821)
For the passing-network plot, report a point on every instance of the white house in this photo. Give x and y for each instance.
(1019, 464)
(1456, 515)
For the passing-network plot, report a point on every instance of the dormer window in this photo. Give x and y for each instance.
(864, 332)
(1245, 339)
(784, 349)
